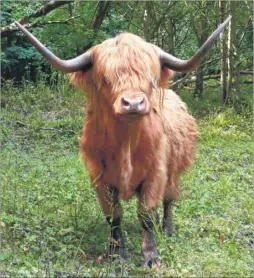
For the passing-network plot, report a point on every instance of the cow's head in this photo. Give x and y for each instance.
(123, 71)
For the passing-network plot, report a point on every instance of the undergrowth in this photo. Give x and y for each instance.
(51, 222)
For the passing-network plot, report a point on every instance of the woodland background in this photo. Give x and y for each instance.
(51, 224)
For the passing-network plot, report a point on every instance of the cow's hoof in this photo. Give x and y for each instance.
(149, 259)
(116, 252)
(168, 228)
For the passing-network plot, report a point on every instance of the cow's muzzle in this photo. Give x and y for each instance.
(131, 103)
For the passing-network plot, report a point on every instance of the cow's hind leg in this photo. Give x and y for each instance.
(167, 217)
(108, 197)
(171, 194)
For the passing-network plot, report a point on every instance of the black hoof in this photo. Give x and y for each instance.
(116, 250)
(167, 228)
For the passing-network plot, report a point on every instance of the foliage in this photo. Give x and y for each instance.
(52, 223)
(66, 40)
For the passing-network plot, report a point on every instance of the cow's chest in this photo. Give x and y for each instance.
(125, 169)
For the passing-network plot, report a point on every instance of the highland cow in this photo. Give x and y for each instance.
(138, 136)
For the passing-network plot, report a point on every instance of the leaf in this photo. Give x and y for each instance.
(99, 260)
(222, 238)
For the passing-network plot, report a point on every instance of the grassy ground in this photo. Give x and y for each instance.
(51, 222)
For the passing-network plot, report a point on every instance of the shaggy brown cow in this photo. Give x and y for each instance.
(138, 137)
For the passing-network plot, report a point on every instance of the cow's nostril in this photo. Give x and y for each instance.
(125, 103)
(142, 101)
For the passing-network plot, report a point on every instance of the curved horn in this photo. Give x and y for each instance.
(179, 65)
(81, 62)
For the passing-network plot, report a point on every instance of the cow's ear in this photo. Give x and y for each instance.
(82, 80)
(165, 76)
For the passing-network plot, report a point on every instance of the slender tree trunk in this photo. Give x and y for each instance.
(198, 92)
(170, 40)
(147, 21)
(223, 53)
(230, 61)
(235, 64)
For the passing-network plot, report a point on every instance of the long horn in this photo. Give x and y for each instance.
(82, 62)
(179, 65)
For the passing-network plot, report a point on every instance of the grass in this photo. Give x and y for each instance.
(51, 223)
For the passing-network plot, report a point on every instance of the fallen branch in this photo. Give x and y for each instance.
(187, 80)
(246, 72)
(21, 124)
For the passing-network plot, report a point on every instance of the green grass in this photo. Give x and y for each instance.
(50, 218)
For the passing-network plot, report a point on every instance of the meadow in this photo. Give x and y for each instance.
(52, 225)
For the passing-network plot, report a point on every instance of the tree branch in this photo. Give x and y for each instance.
(187, 79)
(43, 10)
(12, 28)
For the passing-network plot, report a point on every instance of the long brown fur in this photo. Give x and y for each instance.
(152, 150)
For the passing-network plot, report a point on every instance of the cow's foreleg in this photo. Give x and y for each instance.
(148, 249)
(108, 197)
(150, 195)
(148, 218)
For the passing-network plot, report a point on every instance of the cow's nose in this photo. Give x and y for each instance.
(136, 105)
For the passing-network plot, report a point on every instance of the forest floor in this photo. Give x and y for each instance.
(52, 225)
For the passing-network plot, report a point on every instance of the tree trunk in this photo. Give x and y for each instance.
(170, 40)
(198, 92)
(230, 61)
(223, 53)
(147, 21)
(99, 15)
(235, 62)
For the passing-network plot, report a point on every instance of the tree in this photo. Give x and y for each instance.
(201, 30)
(223, 53)
(233, 61)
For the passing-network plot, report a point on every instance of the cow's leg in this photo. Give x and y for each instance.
(150, 195)
(147, 218)
(171, 194)
(108, 197)
(167, 217)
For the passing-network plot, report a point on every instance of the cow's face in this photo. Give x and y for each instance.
(126, 72)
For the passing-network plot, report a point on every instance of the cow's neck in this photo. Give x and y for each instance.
(121, 134)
